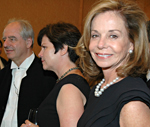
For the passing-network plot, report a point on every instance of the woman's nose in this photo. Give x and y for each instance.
(102, 43)
(40, 54)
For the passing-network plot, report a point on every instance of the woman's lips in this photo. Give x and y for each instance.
(104, 55)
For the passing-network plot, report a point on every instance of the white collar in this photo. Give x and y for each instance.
(25, 64)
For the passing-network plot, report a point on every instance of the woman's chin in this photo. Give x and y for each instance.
(44, 67)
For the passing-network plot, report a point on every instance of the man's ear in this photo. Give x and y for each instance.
(64, 50)
(29, 42)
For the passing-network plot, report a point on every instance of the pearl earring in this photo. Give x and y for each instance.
(130, 51)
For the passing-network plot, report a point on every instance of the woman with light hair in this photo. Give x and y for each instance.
(113, 55)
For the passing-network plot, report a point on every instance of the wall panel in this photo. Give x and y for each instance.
(39, 13)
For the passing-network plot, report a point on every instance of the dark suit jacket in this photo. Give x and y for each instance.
(33, 90)
(3, 61)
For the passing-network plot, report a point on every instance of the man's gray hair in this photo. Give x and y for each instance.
(26, 29)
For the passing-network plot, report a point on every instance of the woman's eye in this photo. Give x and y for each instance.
(43, 47)
(94, 36)
(113, 36)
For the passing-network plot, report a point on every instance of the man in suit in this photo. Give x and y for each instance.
(3, 62)
(23, 83)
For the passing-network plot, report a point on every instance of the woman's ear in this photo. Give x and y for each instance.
(131, 46)
(29, 42)
(64, 50)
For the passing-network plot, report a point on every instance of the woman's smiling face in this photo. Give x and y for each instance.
(109, 43)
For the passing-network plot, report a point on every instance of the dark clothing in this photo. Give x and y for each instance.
(144, 77)
(145, 80)
(3, 61)
(148, 83)
(47, 112)
(33, 90)
(104, 111)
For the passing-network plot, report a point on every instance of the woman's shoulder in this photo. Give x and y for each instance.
(78, 81)
(130, 114)
(74, 79)
(132, 89)
(133, 83)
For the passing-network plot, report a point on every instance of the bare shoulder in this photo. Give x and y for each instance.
(135, 113)
(69, 89)
(70, 93)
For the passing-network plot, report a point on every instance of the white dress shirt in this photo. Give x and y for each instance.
(18, 73)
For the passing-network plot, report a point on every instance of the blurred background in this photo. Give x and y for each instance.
(42, 12)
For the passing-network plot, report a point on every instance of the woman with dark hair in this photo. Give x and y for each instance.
(113, 54)
(65, 104)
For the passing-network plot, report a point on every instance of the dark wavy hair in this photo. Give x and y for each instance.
(61, 34)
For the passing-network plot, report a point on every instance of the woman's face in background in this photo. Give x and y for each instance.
(47, 54)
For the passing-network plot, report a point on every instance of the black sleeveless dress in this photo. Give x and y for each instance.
(47, 113)
(104, 111)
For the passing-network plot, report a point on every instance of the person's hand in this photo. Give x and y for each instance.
(28, 124)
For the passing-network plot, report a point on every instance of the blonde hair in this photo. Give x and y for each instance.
(135, 23)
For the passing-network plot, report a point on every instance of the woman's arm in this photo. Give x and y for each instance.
(70, 105)
(135, 114)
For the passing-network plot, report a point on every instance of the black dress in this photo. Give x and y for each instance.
(47, 112)
(104, 111)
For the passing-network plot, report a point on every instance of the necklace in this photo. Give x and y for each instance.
(98, 92)
(67, 73)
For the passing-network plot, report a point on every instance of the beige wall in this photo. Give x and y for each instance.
(41, 12)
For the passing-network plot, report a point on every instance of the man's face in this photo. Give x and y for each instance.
(15, 46)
